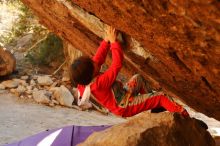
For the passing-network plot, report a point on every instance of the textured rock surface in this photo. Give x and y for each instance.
(21, 89)
(42, 96)
(10, 84)
(180, 41)
(63, 96)
(44, 80)
(7, 62)
(2, 87)
(163, 129)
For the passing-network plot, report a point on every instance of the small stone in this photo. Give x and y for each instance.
(47, 87)
(65, 79)
(32, 83)
(29, 87)
(21, 89)
(22, 82)
(2, 87)
(22, 97)
(2, 91)
(55, 102)
(12, 90)
(10, 84)
(44, 80)
(29, 92)
(63, 96)
(29, 96)
(54, 79)
(54, 84)
(51, 104)
(66, 76)
(34, 77)
(24, 77)
(42, 96)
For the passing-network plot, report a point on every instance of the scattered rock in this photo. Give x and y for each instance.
(29, 92)
(32, 83)
(10, 84)
(29, 87)
(34, 77)
(22, 97)
(44, 80)
(46, 87)
(54, 79)
(29, 96)
(66, 76)
(35, 89)
(2, 87)
(54, 84)
(42, 96)
(65, 79)
(24, 77)
(51, 104)
(63, 96)
(21, 89)
(164, 129)
(22, 82)
(55, 102)
(13, 90)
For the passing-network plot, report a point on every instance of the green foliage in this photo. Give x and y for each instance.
(47, 51)
(25, 23)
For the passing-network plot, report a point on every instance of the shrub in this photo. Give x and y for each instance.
(50, 49)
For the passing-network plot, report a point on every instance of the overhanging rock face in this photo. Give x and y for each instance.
(173, 43)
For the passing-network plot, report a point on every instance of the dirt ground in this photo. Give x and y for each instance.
(21, 118)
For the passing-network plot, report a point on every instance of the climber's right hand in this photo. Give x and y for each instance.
(111, 34)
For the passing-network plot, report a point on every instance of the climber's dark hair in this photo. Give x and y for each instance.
(82, 70)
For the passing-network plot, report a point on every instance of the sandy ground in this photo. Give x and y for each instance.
(20, 119)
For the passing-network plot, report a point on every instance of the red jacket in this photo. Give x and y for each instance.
(101, 87)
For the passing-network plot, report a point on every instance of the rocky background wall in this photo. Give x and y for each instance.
(175, 44)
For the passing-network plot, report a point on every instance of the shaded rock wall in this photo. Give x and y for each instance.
(163, 129)
(180, 40)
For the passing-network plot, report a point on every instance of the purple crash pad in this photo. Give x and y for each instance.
(66, 136)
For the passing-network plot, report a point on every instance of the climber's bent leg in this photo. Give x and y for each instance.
(146, 102)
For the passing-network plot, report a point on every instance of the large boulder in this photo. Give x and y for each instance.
(173, 44)
(163, 129)
(7, 62)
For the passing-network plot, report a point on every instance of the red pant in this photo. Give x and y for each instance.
(152, 102)
(140, 101)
